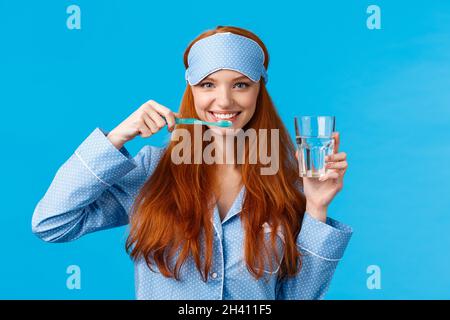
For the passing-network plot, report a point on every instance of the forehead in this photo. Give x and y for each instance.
(226, 75)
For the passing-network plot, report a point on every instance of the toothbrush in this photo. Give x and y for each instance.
(221, 123)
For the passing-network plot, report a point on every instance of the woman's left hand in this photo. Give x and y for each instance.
(320, 192)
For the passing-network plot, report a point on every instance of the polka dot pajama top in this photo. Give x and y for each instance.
(95, 189)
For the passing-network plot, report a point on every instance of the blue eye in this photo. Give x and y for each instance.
(240, 85)
(244, 83)
(203, 84)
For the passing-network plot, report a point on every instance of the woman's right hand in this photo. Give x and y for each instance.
(145, 121)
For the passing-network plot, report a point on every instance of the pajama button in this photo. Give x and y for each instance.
(214, 275)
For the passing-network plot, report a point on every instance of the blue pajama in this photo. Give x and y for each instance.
(95, 189)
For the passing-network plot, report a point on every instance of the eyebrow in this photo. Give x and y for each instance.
(238, 78)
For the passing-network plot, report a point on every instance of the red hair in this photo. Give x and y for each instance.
(172, 213)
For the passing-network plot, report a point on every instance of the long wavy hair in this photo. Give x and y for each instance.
(171, 216)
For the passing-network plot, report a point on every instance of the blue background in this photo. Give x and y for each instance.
(388, 88)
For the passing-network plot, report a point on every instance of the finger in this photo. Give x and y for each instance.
(336, 157)
(169, 115)
(151, 107)
(151, 125)
(296, 154)
(170, 119)
(159, 107)
(337, 165)
(156, 117)
(145, 131)
(330, 174)
(337, 140)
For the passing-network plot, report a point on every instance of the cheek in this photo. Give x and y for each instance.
(201, 102)
(248, 103)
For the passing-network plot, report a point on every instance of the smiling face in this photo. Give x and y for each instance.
(226, 95)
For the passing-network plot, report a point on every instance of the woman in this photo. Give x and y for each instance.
(198, 230)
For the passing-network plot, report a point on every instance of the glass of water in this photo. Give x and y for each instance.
(314, 141)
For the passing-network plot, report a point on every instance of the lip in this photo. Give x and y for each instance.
(215, 119)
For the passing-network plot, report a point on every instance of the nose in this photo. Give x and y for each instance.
(224, 98)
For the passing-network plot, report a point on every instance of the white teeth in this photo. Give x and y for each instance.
(224, 115)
